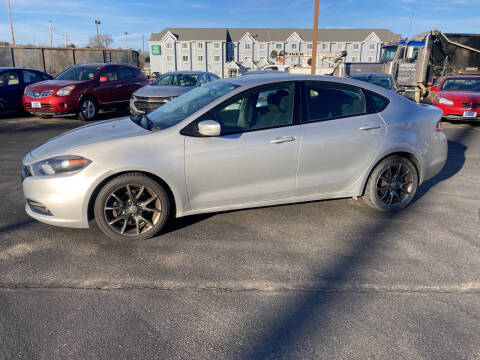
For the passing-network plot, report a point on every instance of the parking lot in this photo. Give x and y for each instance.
(329, 279)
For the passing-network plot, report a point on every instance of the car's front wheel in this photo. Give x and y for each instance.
(132, 207)
(392, 184)
(87, 109)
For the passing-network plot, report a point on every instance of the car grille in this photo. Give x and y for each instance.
(147, 105)
(45, 108)
(39, 93)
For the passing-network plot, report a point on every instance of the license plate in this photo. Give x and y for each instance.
(469, 114)
(36, 105)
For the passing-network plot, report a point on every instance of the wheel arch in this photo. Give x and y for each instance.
(406, 154)
(98, 187)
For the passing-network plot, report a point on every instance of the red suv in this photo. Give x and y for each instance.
(83, 90)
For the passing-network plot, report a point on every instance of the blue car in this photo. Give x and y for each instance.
(12, 85)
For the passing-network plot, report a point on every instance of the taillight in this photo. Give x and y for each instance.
(439, 126)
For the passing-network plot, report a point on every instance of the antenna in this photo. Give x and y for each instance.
(410, 27)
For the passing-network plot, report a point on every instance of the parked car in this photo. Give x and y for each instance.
(83, 90)
(167, 87)
(384, 80)
(260, 72)
(459, 97)
(12, 85)
(223, 147)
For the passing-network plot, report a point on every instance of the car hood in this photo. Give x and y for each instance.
(463, 96)
(53, 84)
(88, 134)
(162, 91)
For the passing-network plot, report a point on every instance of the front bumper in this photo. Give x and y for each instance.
(51, 105)
(455, 112)
(66, 197)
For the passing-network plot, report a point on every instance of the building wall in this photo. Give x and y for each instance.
(213, 55)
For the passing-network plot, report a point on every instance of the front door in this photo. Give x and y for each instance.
(254, 159)
(340, 138)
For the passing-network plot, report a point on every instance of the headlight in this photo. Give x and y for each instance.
(67, 90)
(59, 165)
(444, 101)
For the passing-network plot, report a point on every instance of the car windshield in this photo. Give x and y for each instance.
(79, 73)
(176, 80)
(389, 53)
(383, 81)
(185, 105)
(459, 84)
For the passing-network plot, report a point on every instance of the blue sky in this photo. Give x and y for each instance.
(75, 18)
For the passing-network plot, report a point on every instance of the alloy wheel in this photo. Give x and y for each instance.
(394, 185)
(132, 209)
(88, 109)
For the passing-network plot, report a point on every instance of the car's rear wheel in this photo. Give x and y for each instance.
(392, 184)
(132, 207)
(87, 109)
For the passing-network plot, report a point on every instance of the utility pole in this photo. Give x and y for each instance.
(65, 39)
(50, 27)
(11, 23)
(98, 22)
(126, 38)
(143, 44)
(315, 35)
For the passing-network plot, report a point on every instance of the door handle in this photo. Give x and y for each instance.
(282, 139)
(369, 127)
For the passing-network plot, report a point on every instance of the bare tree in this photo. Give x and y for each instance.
(104, 41)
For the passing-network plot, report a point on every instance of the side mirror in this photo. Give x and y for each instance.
(103, 78)
(209, 128)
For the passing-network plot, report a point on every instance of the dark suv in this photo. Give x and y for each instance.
(83, 90)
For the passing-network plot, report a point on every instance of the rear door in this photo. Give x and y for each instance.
(131, 80)
(11, 90)
(340, 137)
(111, 91)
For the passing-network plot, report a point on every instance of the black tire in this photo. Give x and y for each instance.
(123, 211)
(392, 184)
(43, 116)
(87, 109)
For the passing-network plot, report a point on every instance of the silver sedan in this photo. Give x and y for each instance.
(233, 144)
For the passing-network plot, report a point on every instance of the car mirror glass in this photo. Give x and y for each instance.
(209, 128)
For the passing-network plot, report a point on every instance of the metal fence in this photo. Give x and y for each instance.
(55, 60)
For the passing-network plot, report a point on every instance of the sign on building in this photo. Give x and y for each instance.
(156, 50)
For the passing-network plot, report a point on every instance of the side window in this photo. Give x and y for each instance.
(111, 72)
(126, 73)
(329, 100)
(31, 76)
(10, 78)
(263, 109)
(379, 102)
(204, 79)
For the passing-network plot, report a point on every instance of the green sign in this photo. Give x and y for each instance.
(156, 50)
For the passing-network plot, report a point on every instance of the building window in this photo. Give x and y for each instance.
(185, 58)
(309, 46)
(216, 58)
(294, 60)
(325, 46)
(279, 46)
(355, 46)
(169, 58)
(216, 45)
(293, 46)
(341, 46)
(372, 46)
(333, 46)
(169, 45)
(247, 46)
(200, 58)
(354, 58)
(262, 46)
(200, 45)
(371, 59)
(184, 45)
(231, 58)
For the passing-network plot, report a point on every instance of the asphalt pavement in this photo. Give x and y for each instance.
(328, 279)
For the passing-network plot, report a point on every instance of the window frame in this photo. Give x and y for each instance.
(296, 112)
(370, 107)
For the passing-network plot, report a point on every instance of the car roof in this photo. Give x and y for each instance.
(462, 77)
(371, 74)
(19, 68)
(100, 65)
(187, 72)
(260, 72)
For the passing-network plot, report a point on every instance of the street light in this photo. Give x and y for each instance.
(126, 38)
(98, 22)
(50, 27)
